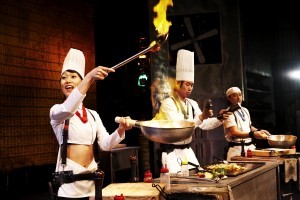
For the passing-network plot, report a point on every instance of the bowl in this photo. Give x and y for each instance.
(282, 141)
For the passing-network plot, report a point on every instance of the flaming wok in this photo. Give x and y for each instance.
(164, 131)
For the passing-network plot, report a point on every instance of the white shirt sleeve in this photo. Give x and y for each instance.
(65, 110)
(106, 141)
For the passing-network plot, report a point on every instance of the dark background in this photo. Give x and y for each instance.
(275, 26)
(117, 39)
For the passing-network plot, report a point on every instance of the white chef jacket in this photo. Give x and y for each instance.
(240, 118)
(79, 133)
(169, 109)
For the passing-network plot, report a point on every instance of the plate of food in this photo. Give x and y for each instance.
(232, 168)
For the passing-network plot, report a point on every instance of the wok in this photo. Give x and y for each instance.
(282, 141)
(164, 131)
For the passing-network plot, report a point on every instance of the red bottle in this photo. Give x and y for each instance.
(121, 197)
(249, 153)
(148, 177)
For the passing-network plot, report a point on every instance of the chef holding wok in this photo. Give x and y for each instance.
(238, 128)
(180, 107)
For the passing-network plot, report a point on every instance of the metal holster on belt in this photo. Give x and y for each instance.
(59, 178)
(62, 177)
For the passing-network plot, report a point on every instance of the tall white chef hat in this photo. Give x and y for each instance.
(74, 61)
(232, 90)
(185, 65)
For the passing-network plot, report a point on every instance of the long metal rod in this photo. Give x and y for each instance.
(133, 57)
(155, 47)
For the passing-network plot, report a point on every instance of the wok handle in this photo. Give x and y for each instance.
(132, 122)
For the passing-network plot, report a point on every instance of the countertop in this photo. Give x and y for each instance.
(226, 189)
(243, 186)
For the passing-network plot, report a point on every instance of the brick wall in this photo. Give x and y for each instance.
(35, 36)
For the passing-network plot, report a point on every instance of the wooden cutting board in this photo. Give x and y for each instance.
(132, 191)
(273, 152)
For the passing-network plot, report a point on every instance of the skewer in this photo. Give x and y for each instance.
(154, 46)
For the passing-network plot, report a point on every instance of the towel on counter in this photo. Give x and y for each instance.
(290, 169)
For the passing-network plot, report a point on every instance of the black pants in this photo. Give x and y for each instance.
(232, 144)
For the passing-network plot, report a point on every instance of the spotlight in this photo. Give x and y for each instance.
(294, 74)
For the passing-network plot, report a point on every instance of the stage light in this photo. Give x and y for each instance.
(294, 74)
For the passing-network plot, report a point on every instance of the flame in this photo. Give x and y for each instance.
(160, 22)
(161, 88)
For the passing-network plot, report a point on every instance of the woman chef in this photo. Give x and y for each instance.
(180, 107)
(85, 125)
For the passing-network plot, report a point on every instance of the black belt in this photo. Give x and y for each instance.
(170, 147)
(80, 177)
(232, 144)
(68, 177)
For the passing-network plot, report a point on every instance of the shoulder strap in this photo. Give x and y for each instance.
(177, 102)
(193, 110)
(64, 144)
(96, 148)
(91, 114)
(248, 117)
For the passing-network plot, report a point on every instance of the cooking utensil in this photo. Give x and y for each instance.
(223, 161)
(154, 46)
(282, 141)
(161, 191)
(199, 169)
(197, 179)
(164, 131)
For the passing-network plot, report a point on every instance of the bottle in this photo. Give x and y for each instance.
(119, 197)
(208, 106)
(148, 177)
(134, 173)
(185, 168)
(165, 177)
(249, 153)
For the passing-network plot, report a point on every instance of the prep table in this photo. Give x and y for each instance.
(260, 183)
(288, 170)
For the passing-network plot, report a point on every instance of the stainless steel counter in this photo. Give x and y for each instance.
(289, 167)
(260, 183)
